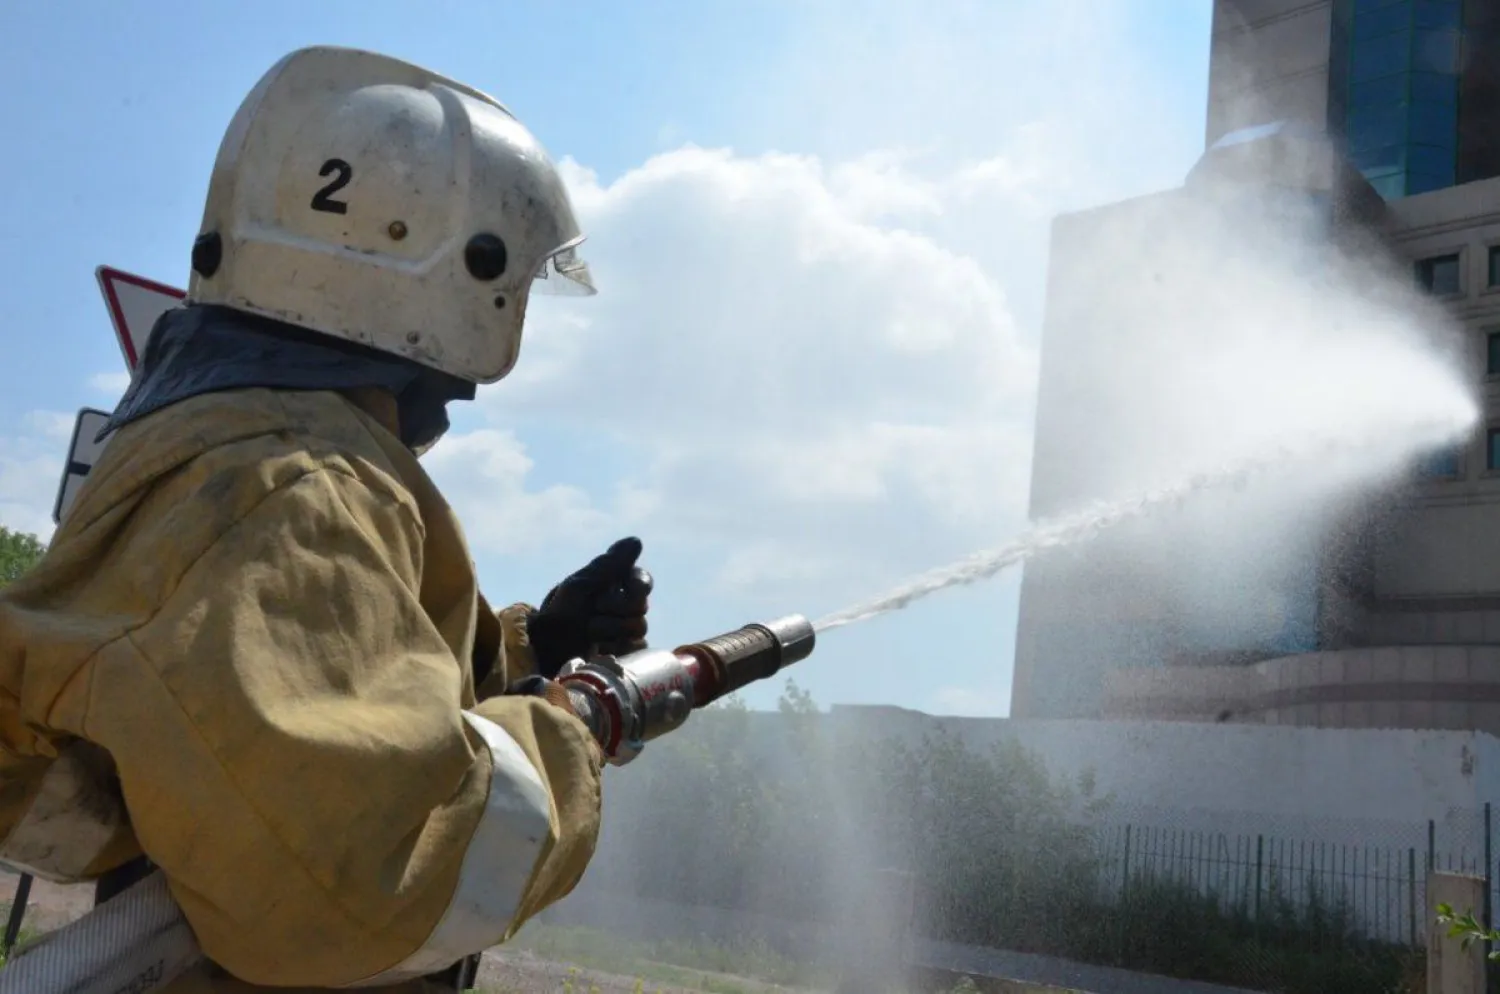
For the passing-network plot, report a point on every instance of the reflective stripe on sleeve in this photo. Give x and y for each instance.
(496, 865)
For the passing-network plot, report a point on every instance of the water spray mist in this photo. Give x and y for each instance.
(1082, 525)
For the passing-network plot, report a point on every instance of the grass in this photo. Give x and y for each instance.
(23, 937)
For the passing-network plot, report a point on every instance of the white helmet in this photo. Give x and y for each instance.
(365, 198)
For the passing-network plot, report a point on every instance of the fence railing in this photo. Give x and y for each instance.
(1378, 889)
(1292, 904)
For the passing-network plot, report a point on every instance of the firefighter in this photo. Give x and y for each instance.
(255, 654)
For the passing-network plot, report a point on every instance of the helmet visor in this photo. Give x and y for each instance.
(564, 274)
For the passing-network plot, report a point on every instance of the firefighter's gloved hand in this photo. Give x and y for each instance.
(599, 609)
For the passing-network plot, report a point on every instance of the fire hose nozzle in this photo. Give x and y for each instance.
(642, 695)
(739, 658)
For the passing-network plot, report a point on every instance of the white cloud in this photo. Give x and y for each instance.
(31, 464)
(484, 475)
(53, 426)
(821, 367)
(800, 366)
(778, 562)
(110, 384)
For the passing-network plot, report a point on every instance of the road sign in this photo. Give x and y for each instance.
(83, 453)
(134, 304)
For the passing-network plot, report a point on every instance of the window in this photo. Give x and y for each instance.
(1387, 90)
(1379, 161)
(1438, 14)
(1382, 21)
(1431, 88)
(1439, 275)
(1433, 125)
(1435, 51)
(1372, 58)
(1425, 182)
(1377, 125)
(1430, 159)
(1391, 186)
(1440, 465)
(1492, 362)
(1494, 279)
(1397, 101)
(1492, 450)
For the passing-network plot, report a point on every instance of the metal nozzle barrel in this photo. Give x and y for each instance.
(754, 652)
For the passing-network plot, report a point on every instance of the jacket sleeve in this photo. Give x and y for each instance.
(502, 648)
(293, 752)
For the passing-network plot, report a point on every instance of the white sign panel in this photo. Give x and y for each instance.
(83, 453)
(134, 304)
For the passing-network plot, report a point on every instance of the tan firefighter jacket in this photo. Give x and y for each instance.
(247, 654)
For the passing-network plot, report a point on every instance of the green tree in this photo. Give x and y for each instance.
(795, 700)
(19, 552)
(770, 812)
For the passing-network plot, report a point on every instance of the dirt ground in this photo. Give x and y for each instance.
(502, 972)
(522, 973)
(49, 905)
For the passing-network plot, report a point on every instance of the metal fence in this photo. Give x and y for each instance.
(1377, 887)
(1286, 904)
(1291, 904)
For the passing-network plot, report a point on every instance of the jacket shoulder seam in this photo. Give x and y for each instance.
(405, 500)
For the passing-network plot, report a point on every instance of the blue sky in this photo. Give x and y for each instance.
(826, 143)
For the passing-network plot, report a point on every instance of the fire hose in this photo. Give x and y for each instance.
(140, 941)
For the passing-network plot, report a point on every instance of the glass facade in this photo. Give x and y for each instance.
(1396, 88)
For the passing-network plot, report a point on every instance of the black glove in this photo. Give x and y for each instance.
(601, 609)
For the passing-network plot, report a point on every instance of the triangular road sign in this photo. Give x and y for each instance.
(134, 304)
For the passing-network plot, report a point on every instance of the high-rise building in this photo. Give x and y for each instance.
(1372, 128)
(1412, 86)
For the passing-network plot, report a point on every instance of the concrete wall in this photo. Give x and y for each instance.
(1431, 591)
(1346, 809)
(1311, 812)
(1391, 687)
(1204, 774)
(1443, 561)
(1183, 583)
(1268, 61)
